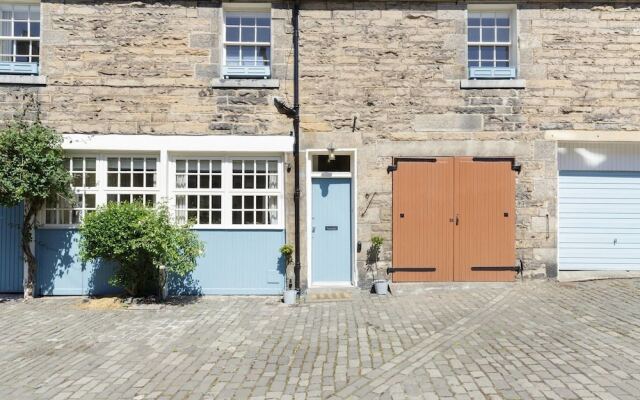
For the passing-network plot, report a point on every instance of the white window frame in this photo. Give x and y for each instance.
(130, 190)
(186, 191)
(101, 190)
(227, 192)
(512, 11)
(29, 38)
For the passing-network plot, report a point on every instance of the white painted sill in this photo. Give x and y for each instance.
(245, 83)
(23, 80)
(493, 84)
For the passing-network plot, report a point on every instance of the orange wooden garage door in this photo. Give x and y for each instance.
(422, 230)
(453, 219)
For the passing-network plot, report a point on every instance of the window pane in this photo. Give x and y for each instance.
(248, 34)
(90, 180)
(233, 20)
(236, 217)
(488, 63)
(248, 166)
(192, 202)
(261, 166)
(204, 181)
(273, 202)
(138, 180)
(502, 63)
(248, 21)
(5, 29)
(216, 202)
(233, 55)
(474, 35)
(77, 180)
(264, 55)
(180, 166)
(112, 198)
(151, 164)
(181, 202)
(216, 182)
(502, 53)
(151, 200)
(180, 181)
(21, 12)
(193, 166)
(487, 52)
(263, 21)
(273, 181)
(112, 180)
(248, 202)
(192, 216)
(263, 35)
(77, 163)
(248, 217)
(125, 180)
(21, 29)
(35, 12)
(125, 164)
(216, 166)
(261, 182)
(260, 203)
(273, 166)
(236, 202)
(260, 217)
(204, 201)
(273, 217)
(112, 164)
(237, 182)
(248, 182)
(204, 217)
(488, 35)
(90, 201)
(474, 52)
(249, 55)
(233, 34)
(204, 165)
(192, 182)
(503, 35)
(216, 217)
(138, 164)
(502, 20)
(488, 20)
(151, 180)
(237, 166)
(90, 164)
(35, 48)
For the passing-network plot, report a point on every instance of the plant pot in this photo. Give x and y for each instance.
(290, 296)
(381, 286)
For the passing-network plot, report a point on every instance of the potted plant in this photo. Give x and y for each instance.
(381, 285)
(290, 294)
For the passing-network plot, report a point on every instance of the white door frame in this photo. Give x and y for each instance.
(354, 207)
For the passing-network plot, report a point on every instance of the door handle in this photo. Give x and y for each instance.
(313, 229)
(457, 219)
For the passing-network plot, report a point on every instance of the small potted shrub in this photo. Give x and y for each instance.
(381, 285)
(290, 293)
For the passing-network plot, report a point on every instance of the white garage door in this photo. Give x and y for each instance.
(598, 208)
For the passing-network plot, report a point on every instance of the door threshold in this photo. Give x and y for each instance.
(330, 285)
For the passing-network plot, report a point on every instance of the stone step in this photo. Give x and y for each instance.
(315, 295)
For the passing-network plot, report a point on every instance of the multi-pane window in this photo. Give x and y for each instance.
(255, 186)
(198, 174)
(64, 211)
(489, 36)
(198, 184)
(255, 174)
(247, 39)
(131, 179)
(19, 33)
(258, 210)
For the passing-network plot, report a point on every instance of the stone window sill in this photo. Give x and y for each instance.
(245, 83)
(493, 84)
(23, 80)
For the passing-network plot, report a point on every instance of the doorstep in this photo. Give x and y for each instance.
(324, 294)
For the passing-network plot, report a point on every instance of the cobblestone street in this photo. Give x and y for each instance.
(480, 341)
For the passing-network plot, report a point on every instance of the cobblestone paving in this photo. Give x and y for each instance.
(479, 341)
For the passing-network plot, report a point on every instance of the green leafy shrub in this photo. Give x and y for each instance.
(139, 239)
(287, 252)
(31, 172)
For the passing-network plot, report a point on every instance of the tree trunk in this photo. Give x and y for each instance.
(30, 211)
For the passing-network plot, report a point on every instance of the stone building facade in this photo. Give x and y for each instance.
(384, 78)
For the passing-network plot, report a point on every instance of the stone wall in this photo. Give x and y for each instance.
(396, 67)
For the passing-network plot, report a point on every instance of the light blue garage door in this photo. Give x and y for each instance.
(11, 266)
(599, 220)
(235, 262)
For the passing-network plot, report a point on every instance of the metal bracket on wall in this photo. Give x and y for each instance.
(425, 269)
(515, 166)
(396, 160)
(366, 196)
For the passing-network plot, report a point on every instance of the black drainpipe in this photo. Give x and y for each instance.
(296, 139)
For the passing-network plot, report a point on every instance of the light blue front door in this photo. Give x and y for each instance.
(11, 266)
(331, 230)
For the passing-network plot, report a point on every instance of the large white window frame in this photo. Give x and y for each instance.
(227, 191)
(243, 28)
(14, 16)
(476, 36)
